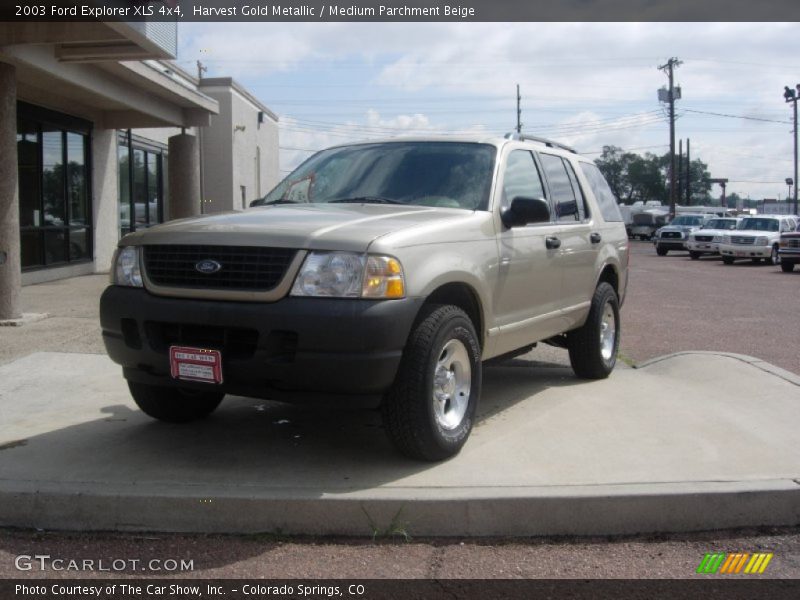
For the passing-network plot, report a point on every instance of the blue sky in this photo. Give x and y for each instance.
(587, 84)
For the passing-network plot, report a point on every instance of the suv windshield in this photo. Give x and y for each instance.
(444, 174)
(754, 224)
(720, 224)
(687, 220)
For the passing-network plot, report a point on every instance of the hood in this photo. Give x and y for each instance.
(351, 227)
(681, 228)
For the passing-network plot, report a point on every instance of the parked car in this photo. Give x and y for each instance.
(789, 249)
(706, 239)
(645, 224)
(757, 238)
(675, 235)
(386, 271)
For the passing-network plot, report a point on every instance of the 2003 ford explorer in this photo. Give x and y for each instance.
(384, 270)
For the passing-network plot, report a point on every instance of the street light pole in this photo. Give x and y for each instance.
(791, 95)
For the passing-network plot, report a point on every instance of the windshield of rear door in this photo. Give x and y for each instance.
(443, 174)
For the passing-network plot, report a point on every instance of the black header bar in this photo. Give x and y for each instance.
(231, 11)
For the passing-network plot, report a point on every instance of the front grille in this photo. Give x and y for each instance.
(744, 240)
(791, 243)
(250, 268)
(234, 342)
(704, 238)
(671, 235)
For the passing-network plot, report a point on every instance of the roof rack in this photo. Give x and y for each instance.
(524, 137)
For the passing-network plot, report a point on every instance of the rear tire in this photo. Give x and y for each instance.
(694, 255)
(756, 261)
(429, 411)
(787, 267)
(593, 348)
(174, 405)
(728, 260)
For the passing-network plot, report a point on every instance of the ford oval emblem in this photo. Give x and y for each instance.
(207, 266)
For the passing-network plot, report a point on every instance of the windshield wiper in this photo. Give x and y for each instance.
(365, 200)
(281, 201)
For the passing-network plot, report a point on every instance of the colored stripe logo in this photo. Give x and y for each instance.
(734, 563)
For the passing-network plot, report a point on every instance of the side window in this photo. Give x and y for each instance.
(605, 197)
(564, 196)
(521, 178)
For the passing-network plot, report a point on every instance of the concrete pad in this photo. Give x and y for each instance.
(688, 442)
(25, 319)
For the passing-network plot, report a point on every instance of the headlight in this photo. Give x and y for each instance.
(349, 275)
(126, 269)
(762, 240)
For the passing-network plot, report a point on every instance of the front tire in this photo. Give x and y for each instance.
(593, 348)
(728, 260)
(787, 267)
(774, 259)
(661, 251)
(694, 255)
(174, 405)
(429, 411)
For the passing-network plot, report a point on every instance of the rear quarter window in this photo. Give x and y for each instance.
(606, 201)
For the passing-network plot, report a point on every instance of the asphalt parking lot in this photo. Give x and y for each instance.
(676, 304)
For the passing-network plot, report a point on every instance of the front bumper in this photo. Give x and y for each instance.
(710, 247)
(789, 255)
(282, 350)
(670, 243)
(745, 251)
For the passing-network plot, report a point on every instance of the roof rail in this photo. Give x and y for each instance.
(524, 137)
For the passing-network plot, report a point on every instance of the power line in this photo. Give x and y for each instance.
(706, 112)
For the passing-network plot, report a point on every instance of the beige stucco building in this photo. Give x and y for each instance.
(101, 134)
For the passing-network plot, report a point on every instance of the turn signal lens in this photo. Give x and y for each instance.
(383, 278)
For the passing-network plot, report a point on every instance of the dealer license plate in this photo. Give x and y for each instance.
(195, 364)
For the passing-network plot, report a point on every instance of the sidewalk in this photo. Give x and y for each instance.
(693, 441)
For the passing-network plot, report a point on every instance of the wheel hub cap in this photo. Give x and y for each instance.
(608, 332)
(451, 385)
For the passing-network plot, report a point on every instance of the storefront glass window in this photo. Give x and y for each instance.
(141, 183)
(54, 191)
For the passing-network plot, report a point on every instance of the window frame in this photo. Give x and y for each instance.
(125, 138)
(41, 119)
(566, 164)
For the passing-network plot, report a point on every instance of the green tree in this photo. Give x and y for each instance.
(633, 177)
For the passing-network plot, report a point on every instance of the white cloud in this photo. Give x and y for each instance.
(590, 84)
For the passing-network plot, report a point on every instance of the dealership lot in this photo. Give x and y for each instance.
(676, 304)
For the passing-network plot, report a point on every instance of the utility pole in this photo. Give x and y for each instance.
(680, 169)
(791, 95)
(688, 174)
(519, 112)
(669, 68)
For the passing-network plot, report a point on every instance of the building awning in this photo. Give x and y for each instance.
(75, 68)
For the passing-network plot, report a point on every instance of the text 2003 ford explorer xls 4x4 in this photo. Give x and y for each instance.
(387, 270)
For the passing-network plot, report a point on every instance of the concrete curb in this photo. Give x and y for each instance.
(578, 510)
(750, 360)
(711, 457)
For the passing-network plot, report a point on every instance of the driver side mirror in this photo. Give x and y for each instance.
(525, 210)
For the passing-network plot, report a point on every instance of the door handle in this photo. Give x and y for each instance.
(595, 238)
(552, 243)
